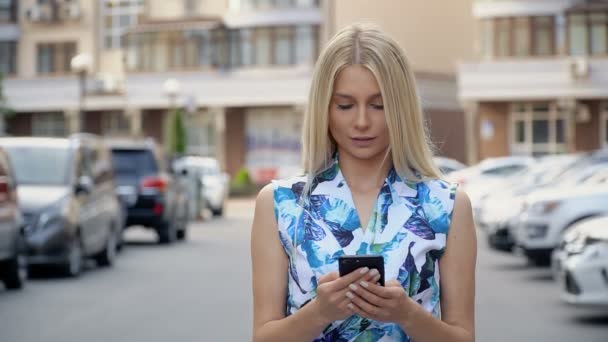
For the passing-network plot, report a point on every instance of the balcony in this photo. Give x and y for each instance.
(257, 13)
(538, 79)
(517, 8)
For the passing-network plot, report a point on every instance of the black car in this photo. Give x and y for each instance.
(67, 194)
(13, 258)
(154, 197)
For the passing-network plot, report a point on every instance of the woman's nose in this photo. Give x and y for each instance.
(362, 121)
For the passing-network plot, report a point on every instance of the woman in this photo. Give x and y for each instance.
(370, 188)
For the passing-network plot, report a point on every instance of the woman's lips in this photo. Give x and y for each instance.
(362, 141)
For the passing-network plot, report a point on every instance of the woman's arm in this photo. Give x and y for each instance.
(270, 267)
(457, 274)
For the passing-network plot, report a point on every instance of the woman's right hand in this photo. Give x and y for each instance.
(331, 301)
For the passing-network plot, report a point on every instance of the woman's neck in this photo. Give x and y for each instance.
(365, 175)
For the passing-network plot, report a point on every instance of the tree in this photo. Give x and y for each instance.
(176, 133)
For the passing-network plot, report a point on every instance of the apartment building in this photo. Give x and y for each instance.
(540, 84)
(240, 68)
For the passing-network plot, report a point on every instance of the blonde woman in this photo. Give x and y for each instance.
(370, 188)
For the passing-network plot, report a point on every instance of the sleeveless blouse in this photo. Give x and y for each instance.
(408, 227)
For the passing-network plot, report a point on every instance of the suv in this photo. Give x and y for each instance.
(152, 196)
(13, 258)
(66, 193)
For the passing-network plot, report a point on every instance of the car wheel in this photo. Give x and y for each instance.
(74, 266)
(108, 255)
(218, 212)
(17, 269)
(167, 233)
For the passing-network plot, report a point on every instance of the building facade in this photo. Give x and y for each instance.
(540, 85)
(243, 68)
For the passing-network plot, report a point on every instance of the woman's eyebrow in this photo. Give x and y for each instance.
(350, 97)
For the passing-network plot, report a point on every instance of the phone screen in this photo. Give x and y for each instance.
(350, 263)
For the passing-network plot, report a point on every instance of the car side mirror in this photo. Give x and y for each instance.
(84, 185)
(183, 172)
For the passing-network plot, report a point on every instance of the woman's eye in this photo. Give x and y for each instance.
(345, 106)
(378, 106)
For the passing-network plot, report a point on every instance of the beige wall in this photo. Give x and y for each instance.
(436, 34)
(82, 31)
(163, 9)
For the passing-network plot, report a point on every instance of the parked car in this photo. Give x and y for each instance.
(448, 165)
(13, 257)
(499, 212)
(66, 193)
(548, 213)
(580, 264)
(214, 183)
(154, 197)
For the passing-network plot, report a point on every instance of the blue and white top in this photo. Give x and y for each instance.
(408, 227)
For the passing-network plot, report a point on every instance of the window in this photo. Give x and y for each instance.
(577, 34)
(487, 37)
(604, 125)
(522, 36)
(115, 123)
(246, 47)
(118, 17)
(55, 58)
(263, 44)
(283, 46)
(543, 36)
(191, 7)
(538, 129)
(235, 46)
(8, 11)
(8, 58)
(205, 49)
(598, 33)
(306, 44)
(503, 37)
(49, 125)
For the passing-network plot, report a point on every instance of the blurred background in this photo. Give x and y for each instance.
(166, 116)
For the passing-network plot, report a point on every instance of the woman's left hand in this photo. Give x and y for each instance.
(383, 304)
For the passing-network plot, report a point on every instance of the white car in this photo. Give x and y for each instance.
(580, 265)
(548, 213)
(215, 183)
(448, 165)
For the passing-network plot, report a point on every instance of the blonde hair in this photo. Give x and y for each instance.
(366, 45)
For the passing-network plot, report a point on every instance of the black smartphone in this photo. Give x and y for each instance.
(349, 263)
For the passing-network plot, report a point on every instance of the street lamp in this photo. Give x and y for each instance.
(81, 64)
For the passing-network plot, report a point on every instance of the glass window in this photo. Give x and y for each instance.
(540, 131)
(503, 36)
(247, 51)
(577, 34)
(598, 33)
(26, 163)
(285, 3)
(46, 58)
(264, 4)
(307, 3)
(487, 37)
(49, 125)
(263, 46)
(520, 131)
(115, 123)
(305, 44)
(191, 7)
(560, 131)
(8, 58)
(543, 36)
(283, 46)
(118, 17)
(235, 45)
(522, 36)
(205, 49)
(8, 10)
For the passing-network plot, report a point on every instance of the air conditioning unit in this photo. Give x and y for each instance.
(583, 115)
(579, 68)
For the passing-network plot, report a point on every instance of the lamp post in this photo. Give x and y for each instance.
(81, 65)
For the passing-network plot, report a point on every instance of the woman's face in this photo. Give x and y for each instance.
(356, 114)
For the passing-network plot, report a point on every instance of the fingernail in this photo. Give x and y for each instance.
(353, 287)
(350, 306)
(373, 272)
(349, 295)
(377, 277)
(364, 283)
(364, 270)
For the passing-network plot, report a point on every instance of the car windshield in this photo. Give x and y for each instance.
(40, 165)
(131, 165)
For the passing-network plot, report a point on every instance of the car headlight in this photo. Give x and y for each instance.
(56, 212)
(543, 208)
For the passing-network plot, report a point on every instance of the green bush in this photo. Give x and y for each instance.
(242, 185)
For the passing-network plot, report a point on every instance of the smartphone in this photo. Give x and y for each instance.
(349, 263)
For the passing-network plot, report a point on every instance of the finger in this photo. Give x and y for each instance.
(368, 296)
(350, 278)
(357, 310)
(329, 277)
(344, 305)
(376, 289)
(369, 309)
(394, 283)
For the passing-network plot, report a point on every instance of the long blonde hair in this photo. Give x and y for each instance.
(366, 45)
